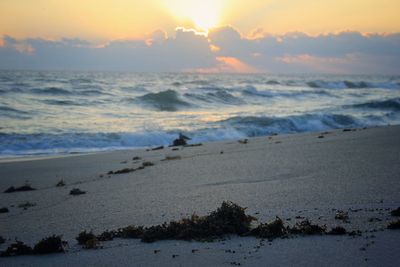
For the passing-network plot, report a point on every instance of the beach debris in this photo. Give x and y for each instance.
(172, 158)
(395, 212)
(244, 141)
(122, 171)
(270, 230)
(156, 251)
(26, 205)
(230, 218)
(158, 148)
(338, 230)
(307, 228)
(175, 255)
(355, 233)
(26, 187)
(88, 240)
(147, 164)
(175, 149)
(193, 145)
(194, 250)
(16, 249)
(136, 158)
(181, 140)
(77, 192)
(52, 244)
(4, 210)
(106, 235)
(61, 183)
(371, 220)
(2, 240)
(321, 136)
(347, 130)
(394, 225)
(130, 231)
(342, 215)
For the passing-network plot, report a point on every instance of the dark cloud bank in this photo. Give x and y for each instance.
(345, 52)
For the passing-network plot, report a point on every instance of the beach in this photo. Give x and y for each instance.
(308, 175)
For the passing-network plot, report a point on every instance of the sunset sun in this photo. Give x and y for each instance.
(203, 14)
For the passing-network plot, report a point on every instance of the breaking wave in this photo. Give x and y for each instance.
(164, 101)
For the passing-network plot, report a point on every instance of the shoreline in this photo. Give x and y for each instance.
(290, 176)
(44, 156)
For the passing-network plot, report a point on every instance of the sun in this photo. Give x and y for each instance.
(204, 14)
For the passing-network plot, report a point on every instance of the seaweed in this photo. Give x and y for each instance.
(342, 215)
(84, 237)
(395, 212)
(126, 170)
(338, 230)
(26, 187)
(394, 225)
(227, 219)
(307, 228)
(88, 240)
(172, 158)
(270, 230)
(130, 231)
(16, 249)
(61, 183)
(4, 210)
(147, 164)
(136, 158)
(77, 192)
(52, 244)
(26, 205)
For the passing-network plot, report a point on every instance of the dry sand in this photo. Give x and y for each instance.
(286, 176)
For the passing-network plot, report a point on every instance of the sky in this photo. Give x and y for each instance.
(277, 36)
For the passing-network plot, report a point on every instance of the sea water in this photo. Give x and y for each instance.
(44, 112)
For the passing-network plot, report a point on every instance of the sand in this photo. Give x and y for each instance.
(288, 176)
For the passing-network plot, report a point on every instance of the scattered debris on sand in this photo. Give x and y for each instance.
(270, 230)
(338, 230)
(88, 240)
(342, 215)
(26, 187)
(395, 212)
(26, 205)
(16, 249)
(52, 244)
(394, 225)
(172, 158)
(244, 141)
(147, 164)
(4, 210)
(77, 192)
(61, 183)
(307, 228)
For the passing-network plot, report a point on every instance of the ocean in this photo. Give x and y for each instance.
(46, 112)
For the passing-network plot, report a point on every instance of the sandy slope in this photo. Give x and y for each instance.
(289, 176)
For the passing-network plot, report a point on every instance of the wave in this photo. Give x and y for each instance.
(51, 91)
(164, 101)
(215, 95)
(351, 85)
(56, 102)
(256, 126)
(252, 91)
(392, 104)
(13, 113)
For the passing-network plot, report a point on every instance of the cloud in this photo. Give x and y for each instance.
(223, 50)
(344, 52)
